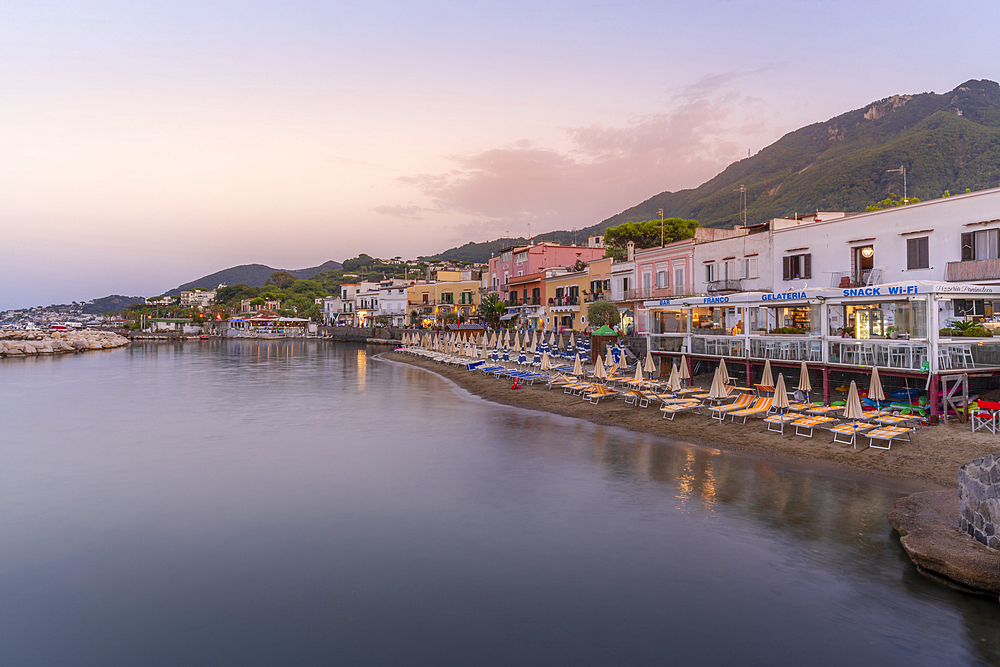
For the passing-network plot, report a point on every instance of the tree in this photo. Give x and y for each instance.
(492, 309)
(281, 279)
(601, 313)
(647, 234)
(891, 201)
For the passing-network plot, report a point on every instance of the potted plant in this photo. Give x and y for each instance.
(891, 332)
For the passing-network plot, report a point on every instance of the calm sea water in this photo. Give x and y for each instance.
(306, 503)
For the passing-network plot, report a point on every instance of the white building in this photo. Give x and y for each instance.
(338, 311)
(954, 239)
(198, 297)
(392, 303)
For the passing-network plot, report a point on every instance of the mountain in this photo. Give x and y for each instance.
(110, 304)
(947, 142)
(254, 275)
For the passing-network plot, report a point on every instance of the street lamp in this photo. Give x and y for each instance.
(901, 170)
(661, 227)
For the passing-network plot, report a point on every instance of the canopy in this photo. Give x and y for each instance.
(875, 387)
(853, 408)
(780, 400)
(804, 379)
(604, 331)
(768, 379)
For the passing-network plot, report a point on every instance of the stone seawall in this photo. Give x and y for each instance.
(979, 500)
(17, 343)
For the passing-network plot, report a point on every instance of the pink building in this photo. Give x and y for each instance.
(524, 260)
(661, 274)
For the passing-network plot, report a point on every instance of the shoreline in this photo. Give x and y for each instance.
(929, 462)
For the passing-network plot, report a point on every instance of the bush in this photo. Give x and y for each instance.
(979, 332)
(947, 331)
(787, 330)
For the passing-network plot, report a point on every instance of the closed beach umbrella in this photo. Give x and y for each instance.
(599, 372)
(724, 372)
(650, 365)
(546, 364)
(768, 379)
(685, 374)
(804, 379)
(780, 394)
(562, 342)
(506, 339)
(638, 373)
(534, 342)
(572, 339)
(875, 387)
(552, 338)
(717, 390)
(853, 408)
(674, 381)
(578, 367)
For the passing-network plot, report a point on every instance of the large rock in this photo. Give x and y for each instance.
(928, 527)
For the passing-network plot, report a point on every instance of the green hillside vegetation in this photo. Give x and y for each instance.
(249, 274)
(647, 234)
(948, 143)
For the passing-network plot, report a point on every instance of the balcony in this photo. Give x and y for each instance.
(565, 301)
(644, 293)
(724, 286)
(856, 278)
(977, 269)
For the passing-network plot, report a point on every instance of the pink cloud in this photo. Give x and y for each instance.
(606, 170)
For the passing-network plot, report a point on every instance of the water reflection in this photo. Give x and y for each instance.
(292, 501)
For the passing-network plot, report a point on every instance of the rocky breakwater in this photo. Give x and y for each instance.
(31, 343)
(953, 536)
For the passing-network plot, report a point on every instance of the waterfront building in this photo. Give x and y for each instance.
(436, 303)
(198, 297)
(392, 304)
(519, 261)
(246, 305)
(623, 279)
(161, 301)
(338, 311)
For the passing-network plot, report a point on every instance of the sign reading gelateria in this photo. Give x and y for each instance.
(784, 296)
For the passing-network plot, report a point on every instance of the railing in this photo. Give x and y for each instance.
(565, 301)
(787, 349)
(954, 355)
(662, 343)
(723, 346)
(729, 285)
(856, 278)
(881, 353)
(641, 293)
(979, 269)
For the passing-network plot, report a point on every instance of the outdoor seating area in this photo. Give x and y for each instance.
(642, 386)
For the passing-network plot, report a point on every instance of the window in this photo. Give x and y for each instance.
(796, 267)
(710, 273)
(647, 281)
(625, 284)
(536, 295)
(984, 244)
(447, 297)
(506, 277)
(749, 267)
(731, 270)
(916, 253)
(679, 279)
(662, 279)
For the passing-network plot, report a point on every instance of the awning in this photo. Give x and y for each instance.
(508, 316)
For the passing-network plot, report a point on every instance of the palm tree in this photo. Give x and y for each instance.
(492, 309)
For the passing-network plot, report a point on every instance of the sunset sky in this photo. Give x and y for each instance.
(145, 144)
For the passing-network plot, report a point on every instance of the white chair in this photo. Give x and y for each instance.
(962, 354)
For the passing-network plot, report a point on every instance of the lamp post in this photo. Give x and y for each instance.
(901, 170)
(661, 227)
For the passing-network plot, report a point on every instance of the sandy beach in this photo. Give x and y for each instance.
(932, 458)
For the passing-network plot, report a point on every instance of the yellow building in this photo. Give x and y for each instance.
(568, 295)
(430, 304)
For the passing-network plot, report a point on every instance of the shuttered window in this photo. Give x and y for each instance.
(917, 256)
(796, 267)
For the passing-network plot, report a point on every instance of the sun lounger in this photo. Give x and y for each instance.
(578, 387)
(888, 433)
(759, 407)
(764, 389)
(894, 420)
(670, 410)
(635, 397)
(850, 429)
(600, 391)
(810, 423)
(743, 401)
(776, 423)
(802, 407)
(824, 410)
